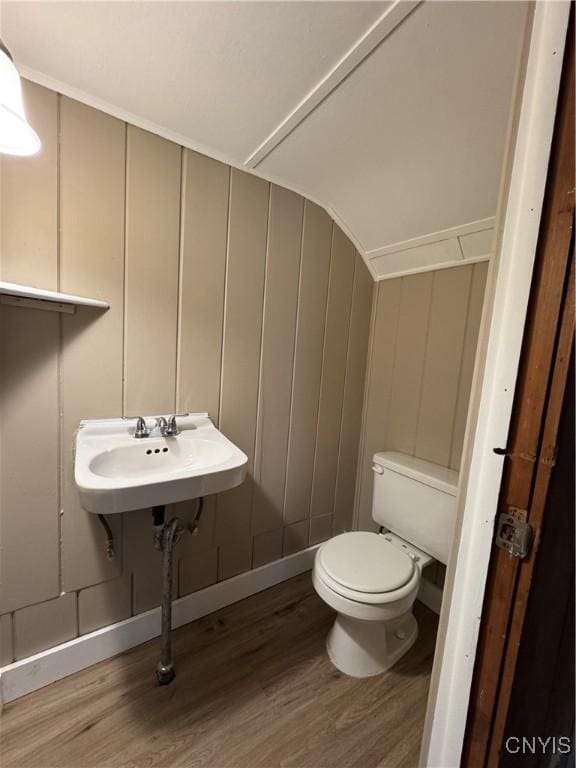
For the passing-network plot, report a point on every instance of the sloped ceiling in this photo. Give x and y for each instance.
(392, 115)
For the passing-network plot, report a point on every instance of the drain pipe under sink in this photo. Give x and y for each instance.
(165, 537)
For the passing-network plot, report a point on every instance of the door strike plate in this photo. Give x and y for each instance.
(513, 535)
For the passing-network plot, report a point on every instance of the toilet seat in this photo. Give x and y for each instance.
(366, 568)
(366, 562)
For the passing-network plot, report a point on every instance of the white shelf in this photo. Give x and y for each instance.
(37, 298)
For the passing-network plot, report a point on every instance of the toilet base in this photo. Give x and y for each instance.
(366, 648)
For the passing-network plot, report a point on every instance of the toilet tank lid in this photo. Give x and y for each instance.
(441, 478)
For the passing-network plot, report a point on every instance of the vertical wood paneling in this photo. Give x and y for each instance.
(333, 374)
(152, 246)
(234, 558)
(314, 271)
(382, 348)
(225, 295)
(201, 571)
(476, 301)
(353, 400)
(267, 547)
(442, 368)
(142, 560)
(92, 174)
(277, 357)
(6, 650)
(408, 364)
(196, 547)
(30, 458)
(320, 529)
(295, 537)
(153, 168)
(30, 199)
(29, 341)
(42, 626)
(104, 604)
(421, 361)
(202, 272)
(247, 228)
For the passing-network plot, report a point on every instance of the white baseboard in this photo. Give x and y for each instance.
(431, 595)
(46, 667)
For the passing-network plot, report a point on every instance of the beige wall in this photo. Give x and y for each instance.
(422, 348)
(228, 295)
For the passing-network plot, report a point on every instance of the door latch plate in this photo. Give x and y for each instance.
(513, 535)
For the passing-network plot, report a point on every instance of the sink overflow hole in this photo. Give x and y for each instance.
(156, 450)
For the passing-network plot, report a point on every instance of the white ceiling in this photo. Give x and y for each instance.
(391, 115)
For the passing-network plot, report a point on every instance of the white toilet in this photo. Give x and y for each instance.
(372, 579)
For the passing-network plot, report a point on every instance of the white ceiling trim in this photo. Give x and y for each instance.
(468, 244)
(432, 237)
(433, 267)
(363, 47)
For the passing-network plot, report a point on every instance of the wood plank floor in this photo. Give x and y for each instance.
(254, 689)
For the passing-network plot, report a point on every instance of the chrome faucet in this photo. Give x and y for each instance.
(141, 428)
(167, 428)
(172, 429)
(162, 425)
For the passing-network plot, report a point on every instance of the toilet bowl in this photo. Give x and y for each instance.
(371, 580)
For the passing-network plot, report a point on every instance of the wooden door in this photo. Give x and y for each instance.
(545, 666)
(532, 447)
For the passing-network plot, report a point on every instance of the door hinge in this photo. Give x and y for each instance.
(513, 535)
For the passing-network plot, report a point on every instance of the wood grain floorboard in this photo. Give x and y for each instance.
(254, 689)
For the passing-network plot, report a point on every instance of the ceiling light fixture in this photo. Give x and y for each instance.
(16, 135)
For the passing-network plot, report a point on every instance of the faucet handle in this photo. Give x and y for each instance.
(172, 428)
(141, 428)
(162, 425)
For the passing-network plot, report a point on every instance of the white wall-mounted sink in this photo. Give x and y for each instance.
(116, 472)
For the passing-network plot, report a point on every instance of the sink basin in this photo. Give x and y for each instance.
(116, 472)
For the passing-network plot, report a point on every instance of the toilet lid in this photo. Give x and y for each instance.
(366, 562)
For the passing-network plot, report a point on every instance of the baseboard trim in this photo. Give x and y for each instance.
(43, 668)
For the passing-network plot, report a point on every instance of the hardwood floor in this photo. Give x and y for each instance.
(254, 689)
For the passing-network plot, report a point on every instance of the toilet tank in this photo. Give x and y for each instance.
(416, 500)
